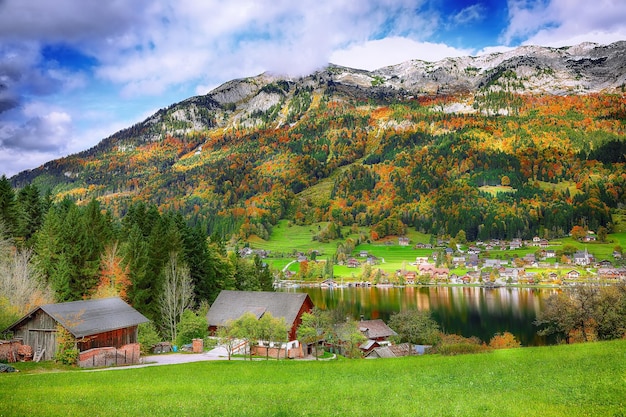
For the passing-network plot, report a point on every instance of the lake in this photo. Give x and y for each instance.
(468, 311)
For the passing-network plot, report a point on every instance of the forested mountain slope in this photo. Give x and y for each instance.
(412, 145)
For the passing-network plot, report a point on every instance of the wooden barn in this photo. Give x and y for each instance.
(230, 305)
(102, 323)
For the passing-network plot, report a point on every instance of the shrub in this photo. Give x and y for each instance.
(453, 344)
(504, 340)
(147, 337)
(191, 326)
(67, 352)
(67, 356)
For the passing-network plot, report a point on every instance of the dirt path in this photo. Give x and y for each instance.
(216, 354)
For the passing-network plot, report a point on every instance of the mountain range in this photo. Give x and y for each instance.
(512, 144)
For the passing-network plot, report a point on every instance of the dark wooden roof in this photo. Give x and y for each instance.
(86, 318)
(230, 305)
(374, 329)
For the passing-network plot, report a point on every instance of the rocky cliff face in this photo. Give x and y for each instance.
(582, 69)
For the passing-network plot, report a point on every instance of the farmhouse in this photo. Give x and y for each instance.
(608, 273)
(410, 277)
(529, 258)
(493, 263)
(230, 305)
(459, 261)
(353, 263)
(550, 253)
(433, 272)
(107, 323)
(426, 269)
(421, 260)
(573, 274)
(376, 330)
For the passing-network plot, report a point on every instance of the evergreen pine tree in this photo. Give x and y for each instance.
(197, 258)
(30, 209)
(8, 209)
(136, 260)
(264, 274)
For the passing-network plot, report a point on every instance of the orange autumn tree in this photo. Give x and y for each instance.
(578, 232)
(504, 340)
(114, 280)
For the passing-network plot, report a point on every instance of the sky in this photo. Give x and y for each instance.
(73, 72)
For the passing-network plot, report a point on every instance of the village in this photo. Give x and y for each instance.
(518, 262)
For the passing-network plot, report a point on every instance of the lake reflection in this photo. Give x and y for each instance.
(468, 311)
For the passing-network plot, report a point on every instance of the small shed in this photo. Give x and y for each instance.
(107, 322)
(367, 346)
(393, 351)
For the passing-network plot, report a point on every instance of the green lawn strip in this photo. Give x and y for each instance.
(585, 379)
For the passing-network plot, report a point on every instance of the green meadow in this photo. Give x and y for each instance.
(566, 380)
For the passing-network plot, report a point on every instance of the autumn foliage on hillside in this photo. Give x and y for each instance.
(386, 165)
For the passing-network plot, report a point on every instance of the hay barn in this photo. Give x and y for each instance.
(103, 323)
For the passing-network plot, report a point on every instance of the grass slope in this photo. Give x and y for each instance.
(576, 380)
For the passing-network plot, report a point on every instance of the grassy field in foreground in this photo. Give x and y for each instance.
(576, 380)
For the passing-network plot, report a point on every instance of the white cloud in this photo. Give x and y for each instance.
(494, 49)
(14, 161)
(565, 22)
(44, 135)
(473, 13)
(50, 133)
(202, 42)
(42, 132)
(372, 55)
